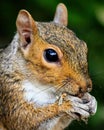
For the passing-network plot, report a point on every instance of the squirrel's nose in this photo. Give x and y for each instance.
(86, 88)
(89, 85)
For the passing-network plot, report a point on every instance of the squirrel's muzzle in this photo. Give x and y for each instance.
(84, 89)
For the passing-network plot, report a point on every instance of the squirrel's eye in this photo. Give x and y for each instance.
(51, 55)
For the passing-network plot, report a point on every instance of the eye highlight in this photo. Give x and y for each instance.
(51, 55)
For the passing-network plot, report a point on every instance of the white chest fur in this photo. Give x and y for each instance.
(38, 94)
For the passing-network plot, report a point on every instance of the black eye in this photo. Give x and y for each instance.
(51, 55)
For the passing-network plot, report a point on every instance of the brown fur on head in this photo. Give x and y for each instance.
(69, 72)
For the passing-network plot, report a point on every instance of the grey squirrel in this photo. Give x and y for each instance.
(44, 81)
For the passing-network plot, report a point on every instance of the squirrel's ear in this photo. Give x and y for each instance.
(26, 26)
(61, 15)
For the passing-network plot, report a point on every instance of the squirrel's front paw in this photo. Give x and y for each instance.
(83, 107)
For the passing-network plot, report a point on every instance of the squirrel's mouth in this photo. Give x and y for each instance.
(81, 94)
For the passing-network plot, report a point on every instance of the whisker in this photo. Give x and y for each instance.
(47, 89)
(97, 74)
(61, 86)
(43, 90)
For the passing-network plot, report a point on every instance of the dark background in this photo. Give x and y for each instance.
(86, 19)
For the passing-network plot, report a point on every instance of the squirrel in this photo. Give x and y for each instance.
(44, 80)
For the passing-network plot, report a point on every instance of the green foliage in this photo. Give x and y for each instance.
(86, 19)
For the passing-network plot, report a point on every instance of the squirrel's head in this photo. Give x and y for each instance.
(54, 55)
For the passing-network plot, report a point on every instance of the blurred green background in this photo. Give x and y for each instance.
(86, 19)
